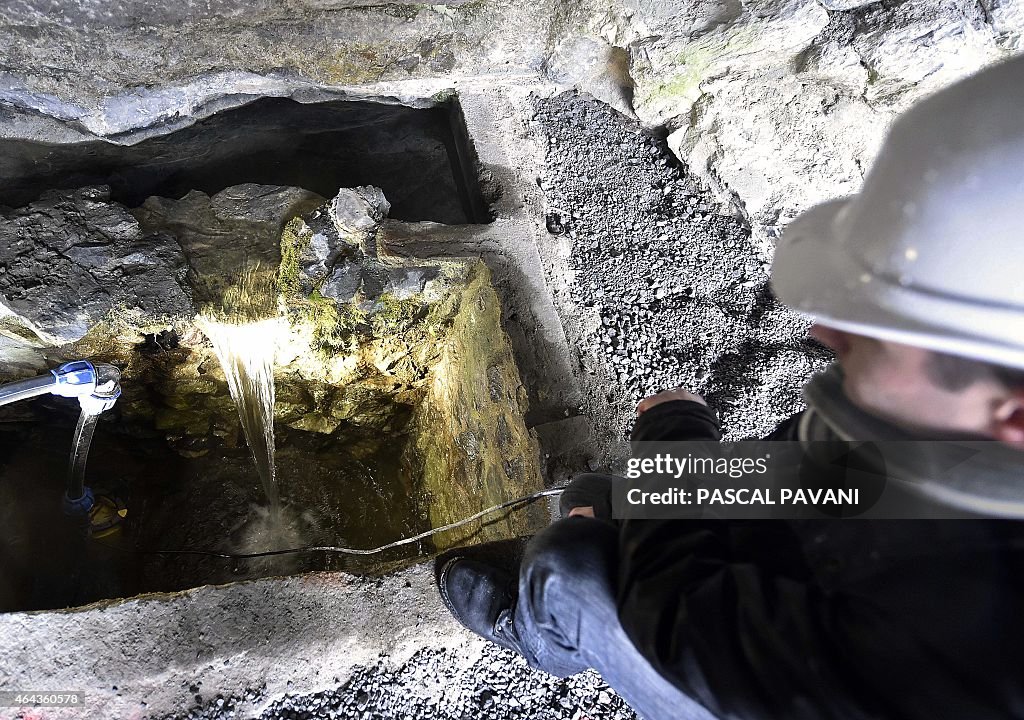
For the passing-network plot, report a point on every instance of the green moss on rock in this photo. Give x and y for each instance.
(472, 442)
(393, 315)
(330, 324)
(295, 239)
(430, 378)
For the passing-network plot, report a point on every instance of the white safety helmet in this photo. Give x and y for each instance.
(931, 251)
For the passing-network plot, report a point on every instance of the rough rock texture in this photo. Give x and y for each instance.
(222, 235)
(99, 64)
(358, 211)
(73, 257)
(473, 444)
(774, 104)
(450, 685)
(322, 645)
(318, 258)
(330, 250)
(413, 359)
(158, 652)
(780, 104)
(777, 104)
(594, 66)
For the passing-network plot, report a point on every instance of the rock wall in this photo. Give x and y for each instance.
(781, 104)
(778, 104)
(112, 67)
(385, 354)
(473, 444)
(71, 258)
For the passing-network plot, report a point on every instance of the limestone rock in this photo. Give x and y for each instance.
(596, 67)
(358, 211)
(263, 204)
(222, 235)
(369, 406)
(343, 282)
(781, 104)
(1007, 20)
(315, 258)
(791, 148)
(71, 257)
(166, 60)
(408, 281)
(328, 249)
(840, 5)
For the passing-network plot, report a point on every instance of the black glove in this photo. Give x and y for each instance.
(586, 490)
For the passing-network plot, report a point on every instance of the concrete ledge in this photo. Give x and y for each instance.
(302, 634)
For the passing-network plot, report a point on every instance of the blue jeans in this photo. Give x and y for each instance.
(567, 619)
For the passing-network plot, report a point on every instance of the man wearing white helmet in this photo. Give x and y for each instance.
(917, 283)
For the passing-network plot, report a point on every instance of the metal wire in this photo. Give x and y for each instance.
(526, 499)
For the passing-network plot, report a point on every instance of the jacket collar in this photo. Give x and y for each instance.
(975, 475)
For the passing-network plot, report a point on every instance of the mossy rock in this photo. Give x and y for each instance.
(295, 239)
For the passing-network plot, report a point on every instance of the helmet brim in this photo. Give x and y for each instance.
(813, 275)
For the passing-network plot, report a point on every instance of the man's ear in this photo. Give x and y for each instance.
(1008, 421)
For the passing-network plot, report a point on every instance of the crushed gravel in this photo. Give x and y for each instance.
(660, 290)
(446, 684)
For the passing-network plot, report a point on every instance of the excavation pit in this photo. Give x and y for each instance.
(415, 423)
(400, 406)
(206, 502)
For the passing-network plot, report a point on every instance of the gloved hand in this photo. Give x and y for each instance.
(588, 495)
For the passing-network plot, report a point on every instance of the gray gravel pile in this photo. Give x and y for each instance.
(664, 291)
(493, 684)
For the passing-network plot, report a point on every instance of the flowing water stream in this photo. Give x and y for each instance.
(246, 353)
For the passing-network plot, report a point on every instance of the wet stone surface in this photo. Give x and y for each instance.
(73, 256)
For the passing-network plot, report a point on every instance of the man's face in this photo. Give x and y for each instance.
(891, 381)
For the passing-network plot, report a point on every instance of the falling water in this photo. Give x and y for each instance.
(246, 352)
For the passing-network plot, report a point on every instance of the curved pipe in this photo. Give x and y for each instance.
(96, 387)
(25, 389)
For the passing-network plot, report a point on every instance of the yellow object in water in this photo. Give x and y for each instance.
(106, 516)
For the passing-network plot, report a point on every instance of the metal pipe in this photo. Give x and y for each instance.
(97, 388)
(25, 389)
(76, 379)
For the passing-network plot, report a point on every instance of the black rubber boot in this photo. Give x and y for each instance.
(481, 597)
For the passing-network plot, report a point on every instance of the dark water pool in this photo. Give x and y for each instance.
(333, 493)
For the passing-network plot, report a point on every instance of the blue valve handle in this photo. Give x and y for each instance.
(74, 379)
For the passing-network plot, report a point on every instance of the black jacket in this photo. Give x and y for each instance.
(825, 619)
